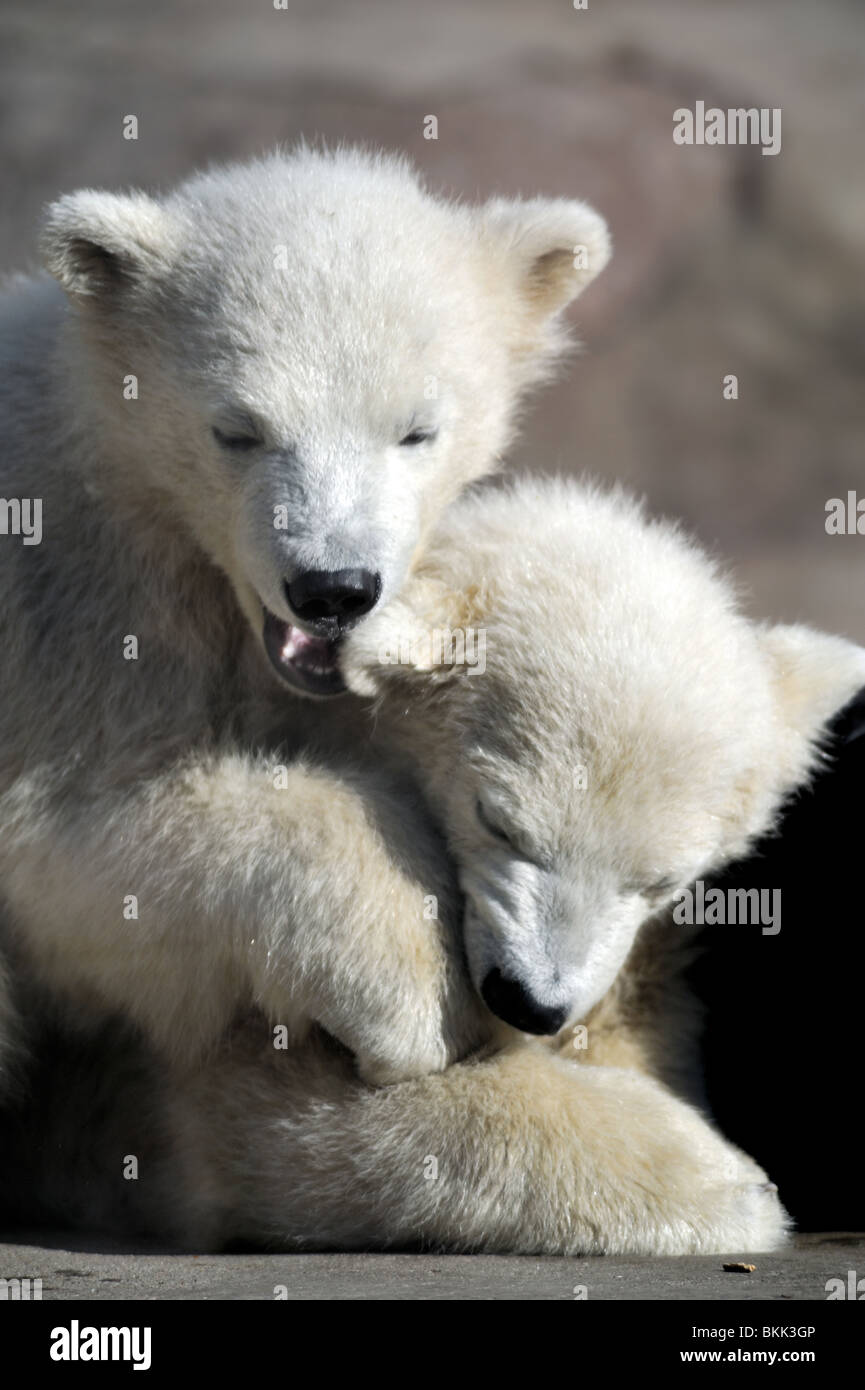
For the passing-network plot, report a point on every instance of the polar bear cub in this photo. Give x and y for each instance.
(631, 729)
(627, 730)
(240, 409)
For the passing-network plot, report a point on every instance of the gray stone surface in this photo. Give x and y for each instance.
(68, 1270)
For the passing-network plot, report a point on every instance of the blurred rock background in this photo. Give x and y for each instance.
(727, 261)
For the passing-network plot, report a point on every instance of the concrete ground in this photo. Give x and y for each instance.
(99, 1272)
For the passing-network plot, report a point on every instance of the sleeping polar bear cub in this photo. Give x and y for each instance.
(628, 731)
(631, 729)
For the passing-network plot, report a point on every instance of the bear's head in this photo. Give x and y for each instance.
(595, 724)
(306, 358)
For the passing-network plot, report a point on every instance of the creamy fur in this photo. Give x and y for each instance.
(308, 299)
(632, 730)
(301, 897)
(630, 660)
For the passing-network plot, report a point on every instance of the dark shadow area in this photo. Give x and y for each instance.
(783, 1045)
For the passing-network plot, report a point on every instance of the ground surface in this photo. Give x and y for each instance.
(799, 1273)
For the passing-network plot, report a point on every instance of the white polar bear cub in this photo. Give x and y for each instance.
(632, 730)
(240, 408)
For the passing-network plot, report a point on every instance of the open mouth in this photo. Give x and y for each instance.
(309, 664)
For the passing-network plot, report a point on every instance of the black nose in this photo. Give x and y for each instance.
(329, 594)
(515, 1005)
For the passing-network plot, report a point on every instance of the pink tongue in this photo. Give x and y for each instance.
(301, 644)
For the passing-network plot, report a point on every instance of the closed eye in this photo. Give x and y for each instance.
(659, 888)
(418, 436)
(514, 839)
(488, 825)
(236, 441)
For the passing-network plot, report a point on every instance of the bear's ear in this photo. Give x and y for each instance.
(97, 244)
(814, 677)
(552, 247)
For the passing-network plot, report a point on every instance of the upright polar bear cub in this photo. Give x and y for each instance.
(255, 397)
(632, 731)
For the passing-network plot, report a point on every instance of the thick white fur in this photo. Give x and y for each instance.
(302, 895)
(632, 730)
(330, 299)
(522, 1151)
(612, 642)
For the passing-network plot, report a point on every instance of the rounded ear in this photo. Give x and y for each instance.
(811, 677)
(554, 248)
(97, 244)
(815, 676)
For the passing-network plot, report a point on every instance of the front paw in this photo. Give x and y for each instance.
(420, 1044)
(744, 1217)
(720, 1200)
(668, 1183)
